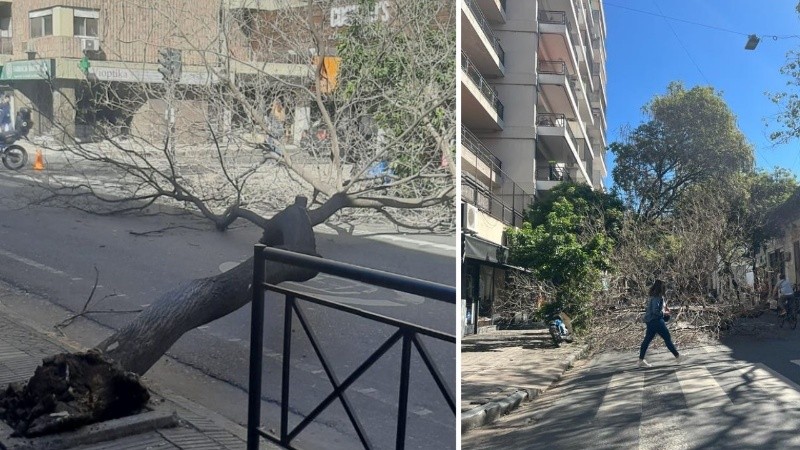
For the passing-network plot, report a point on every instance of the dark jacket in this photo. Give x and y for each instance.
(655, 309)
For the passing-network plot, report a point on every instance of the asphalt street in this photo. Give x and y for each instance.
(58, 254)
(712, 401)
(764, 341)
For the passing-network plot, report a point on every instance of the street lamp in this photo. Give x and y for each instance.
(752, 42)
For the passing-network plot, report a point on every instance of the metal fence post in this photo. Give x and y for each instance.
(405, 375)
(256, 349)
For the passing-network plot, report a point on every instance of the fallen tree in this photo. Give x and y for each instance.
(400, 166)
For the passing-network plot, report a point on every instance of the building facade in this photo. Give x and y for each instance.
(533, 106)
(54, 53)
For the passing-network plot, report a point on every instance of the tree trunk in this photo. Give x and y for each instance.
(138, 345)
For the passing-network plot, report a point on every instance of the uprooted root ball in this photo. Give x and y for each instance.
(70, 390)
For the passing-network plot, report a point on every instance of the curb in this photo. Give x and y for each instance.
(96, 432)
(491, 411)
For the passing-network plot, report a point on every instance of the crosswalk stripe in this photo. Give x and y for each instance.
(701, 389)
(761, 377)
(623, 395)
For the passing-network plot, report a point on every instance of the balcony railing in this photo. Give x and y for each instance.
(486, 89)
(487, 29)
(555, 120)
(474, 144)
(553, 172)
(552, 67)
(554, 17)
(551, 120)
(596, 69)
(506, 203)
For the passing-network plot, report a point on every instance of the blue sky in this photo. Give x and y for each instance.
(646, 52)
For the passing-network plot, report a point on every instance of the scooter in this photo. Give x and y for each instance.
(558, 329)
(14, 156)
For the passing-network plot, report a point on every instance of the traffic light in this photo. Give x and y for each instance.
(170, 61)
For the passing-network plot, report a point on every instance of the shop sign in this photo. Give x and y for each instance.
(127, 75)
(35, 69)
(341, 15)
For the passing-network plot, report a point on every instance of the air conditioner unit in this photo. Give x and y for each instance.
(90, 45)
(469, 218)
(30, 47)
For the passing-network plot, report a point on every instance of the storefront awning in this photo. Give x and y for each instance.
(482, 250)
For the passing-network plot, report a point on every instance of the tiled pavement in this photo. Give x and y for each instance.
(21, 351)
(501, 369)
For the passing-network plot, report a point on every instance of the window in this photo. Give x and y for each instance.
(85, 22)
(5, 27)
(41, 23)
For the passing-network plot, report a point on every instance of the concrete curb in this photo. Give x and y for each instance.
(491, 411)
(97, 432)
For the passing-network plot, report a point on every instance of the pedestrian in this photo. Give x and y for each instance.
(656, 316)
(5, 113)
(783, 291)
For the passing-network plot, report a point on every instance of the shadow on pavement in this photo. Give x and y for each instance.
(527, 339)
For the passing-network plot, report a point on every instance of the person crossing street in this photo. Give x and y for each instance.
(656, 316)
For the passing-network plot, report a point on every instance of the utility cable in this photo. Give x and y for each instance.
(686, 50)
(726, 30)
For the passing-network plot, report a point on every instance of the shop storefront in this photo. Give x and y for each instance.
(483, 275)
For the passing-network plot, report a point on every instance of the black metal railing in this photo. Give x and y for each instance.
(475, 145)
(486, 89)
(487, 29)
(551, 120)
(553, 172)
(408, 333)
(506, 200)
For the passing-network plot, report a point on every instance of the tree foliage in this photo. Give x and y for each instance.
(567, 241)
(691, 137)
(410, 63)
(263, 125)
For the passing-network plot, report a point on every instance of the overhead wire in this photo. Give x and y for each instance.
(705, 25)
(686, 50)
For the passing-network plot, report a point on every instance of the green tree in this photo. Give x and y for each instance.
(567, 240)
(788, 118)
(691, 137)
(378, 62)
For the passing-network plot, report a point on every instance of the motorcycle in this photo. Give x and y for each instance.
(558, 328)
(14, 156)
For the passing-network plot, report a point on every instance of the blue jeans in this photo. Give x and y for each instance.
(659, 327)
(787, 301)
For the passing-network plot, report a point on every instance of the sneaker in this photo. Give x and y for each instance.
(680, 359)
(643, 363)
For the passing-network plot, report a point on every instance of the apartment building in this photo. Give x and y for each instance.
(533, 105)
(54, 54)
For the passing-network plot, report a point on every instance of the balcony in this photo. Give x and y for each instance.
(557, 89)
(505, 202)
(555, 40)
(480, 103)
(479, 40)
(478, 160)
(557, 142)
(550, 175)
(493, 10)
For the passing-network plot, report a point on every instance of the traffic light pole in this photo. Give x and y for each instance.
(171, 67)
(170, 99)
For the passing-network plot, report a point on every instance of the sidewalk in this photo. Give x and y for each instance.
(173, 423)
(501, 369)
